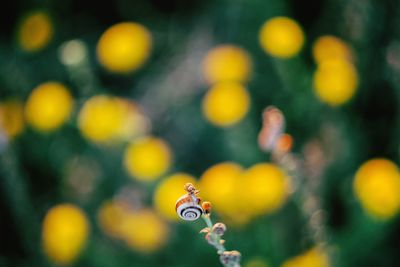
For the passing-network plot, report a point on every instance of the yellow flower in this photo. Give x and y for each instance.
(134, 124)
(377, 187)
(147, 158)
(238, 195)
(329, 47)
(167, 193)
(335, 81)
(49, 106)
(226, 103)
(106, 118)
(266, 188)
(227, 63)
(281, 37)
(110, 216)
(221, 185)
(11, 117)
(35, 31)
(314, 257)
(65, 231)
(124, 47)
(144, 231)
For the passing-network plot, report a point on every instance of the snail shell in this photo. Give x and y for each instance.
(187, 209)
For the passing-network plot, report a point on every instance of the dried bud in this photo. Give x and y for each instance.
(284, 144)
(230, 257)
(224, 257)
(206, 207)
(219, 229)
(235, 256)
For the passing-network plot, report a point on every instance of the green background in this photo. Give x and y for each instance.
(31, 167)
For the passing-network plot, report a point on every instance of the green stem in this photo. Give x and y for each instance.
(207, 219)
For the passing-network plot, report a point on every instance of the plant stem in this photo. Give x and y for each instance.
(215, 238)
(213, 232)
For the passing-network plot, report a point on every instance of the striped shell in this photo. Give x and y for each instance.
(187, 209)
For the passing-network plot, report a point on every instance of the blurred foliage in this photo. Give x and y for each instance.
(108, 108)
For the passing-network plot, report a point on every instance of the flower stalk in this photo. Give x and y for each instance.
(213, 232)
(305, 173)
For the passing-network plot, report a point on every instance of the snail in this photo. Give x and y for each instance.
(188, 207)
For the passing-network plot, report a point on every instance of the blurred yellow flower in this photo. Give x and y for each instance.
(226, 103)
(313, 258)
(65, 231)
(329, 47)
(281, 37)
(35, 31)
(106, 118)
(377, 187)
(220, 184)
(110, 216)
(49, 106)
(11, 117)
(167, 193)
(147, 158)
(144, 231)
(134, 124)
(124, 47)
(266, 186)
(335, 81)
(227, 63)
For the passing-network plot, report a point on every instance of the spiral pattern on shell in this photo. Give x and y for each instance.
(187, 209)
